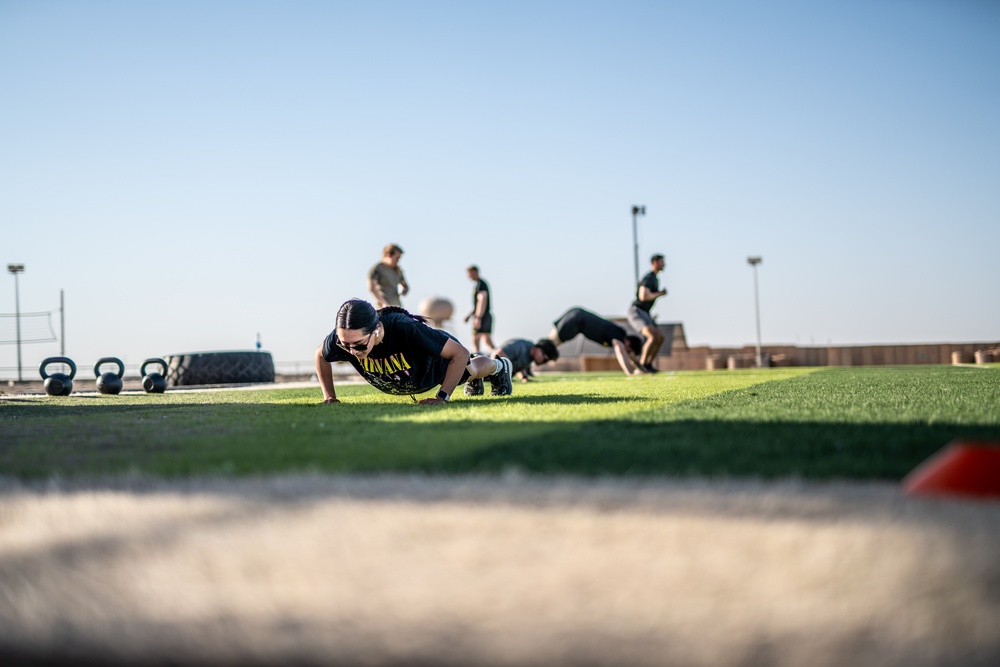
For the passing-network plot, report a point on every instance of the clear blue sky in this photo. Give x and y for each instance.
(193, 173)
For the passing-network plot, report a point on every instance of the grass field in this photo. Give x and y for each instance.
(747, 518)
(857, 423)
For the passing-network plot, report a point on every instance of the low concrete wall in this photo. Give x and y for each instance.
(719, 358)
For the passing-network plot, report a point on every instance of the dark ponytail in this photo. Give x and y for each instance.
(398, 309)
(357, 314)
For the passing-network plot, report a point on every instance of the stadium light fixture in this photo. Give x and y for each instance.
(636, 212)
(16, 269)
(754, 261)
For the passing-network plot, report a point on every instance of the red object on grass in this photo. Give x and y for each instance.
(964, 468)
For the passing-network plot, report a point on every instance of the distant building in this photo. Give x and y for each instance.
(581, 354)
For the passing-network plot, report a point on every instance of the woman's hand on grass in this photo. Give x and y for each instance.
(432, 401)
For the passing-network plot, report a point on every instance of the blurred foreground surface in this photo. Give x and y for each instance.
(404, 570)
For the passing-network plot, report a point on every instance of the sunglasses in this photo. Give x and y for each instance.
(357, 346)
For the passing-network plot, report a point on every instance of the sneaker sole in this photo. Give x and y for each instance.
(508, 366)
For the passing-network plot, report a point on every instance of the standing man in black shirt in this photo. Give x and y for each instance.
(482, 318)
(647, 292)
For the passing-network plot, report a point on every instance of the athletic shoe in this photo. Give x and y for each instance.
(649, 368)
(474, 387)
(501, 380)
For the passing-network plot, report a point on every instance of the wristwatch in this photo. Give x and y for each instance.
(444, 396)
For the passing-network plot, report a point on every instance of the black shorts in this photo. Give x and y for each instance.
(485, 326)
(465, 374)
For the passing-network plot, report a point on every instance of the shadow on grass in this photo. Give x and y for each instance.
(180, 439)
(104, 404)
(721, 449)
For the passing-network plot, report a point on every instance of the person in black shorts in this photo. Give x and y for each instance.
(577, 321)
(398, 353)
(647, 292)
(522, 353)
(481, 315)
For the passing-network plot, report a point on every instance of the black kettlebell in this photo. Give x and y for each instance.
(154, 383)
(58, 384)
(109, 383)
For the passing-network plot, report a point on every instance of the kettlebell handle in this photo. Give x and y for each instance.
(154, 360)
(57, 360)
(109, 360)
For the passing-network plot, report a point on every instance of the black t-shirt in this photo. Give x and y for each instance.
(652, 283)
(407, 361)
(481, 286)
(577, 321)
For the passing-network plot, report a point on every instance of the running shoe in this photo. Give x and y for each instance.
(474, 387)
(501, 380)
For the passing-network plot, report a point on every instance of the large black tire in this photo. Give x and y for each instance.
(219, 368)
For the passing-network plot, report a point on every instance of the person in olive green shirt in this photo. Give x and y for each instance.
(386, 281)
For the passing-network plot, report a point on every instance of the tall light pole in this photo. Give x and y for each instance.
(636, 212)
(754, 261)
(62, 325)
(16, 269)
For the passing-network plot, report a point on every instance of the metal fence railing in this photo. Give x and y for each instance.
(34, 328)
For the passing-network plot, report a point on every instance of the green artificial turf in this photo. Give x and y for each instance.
(850, 423)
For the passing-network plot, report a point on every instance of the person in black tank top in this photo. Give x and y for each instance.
(577, 321)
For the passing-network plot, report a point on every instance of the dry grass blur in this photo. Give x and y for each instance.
(401, 570)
